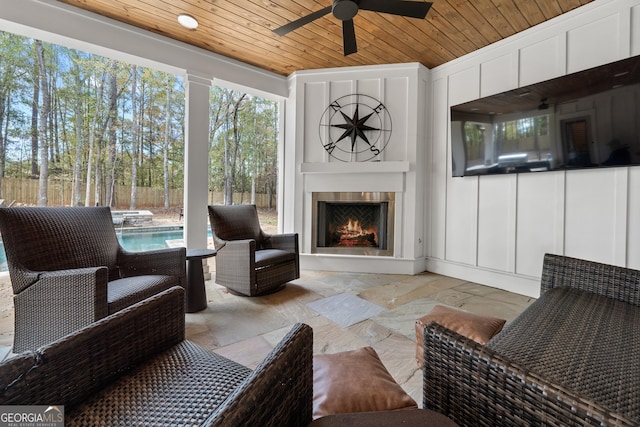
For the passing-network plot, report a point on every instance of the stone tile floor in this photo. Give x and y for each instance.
(246, 329)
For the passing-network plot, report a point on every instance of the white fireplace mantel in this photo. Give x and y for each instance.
(354, 167)
(386, 176)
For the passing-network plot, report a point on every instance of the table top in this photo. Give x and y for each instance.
(200, 253)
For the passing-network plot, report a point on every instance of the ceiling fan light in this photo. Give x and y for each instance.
(187, 21)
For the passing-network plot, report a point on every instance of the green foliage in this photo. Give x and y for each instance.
(95, 150)
(243, 141)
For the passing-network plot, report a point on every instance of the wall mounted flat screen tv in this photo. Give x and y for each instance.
(588, 119)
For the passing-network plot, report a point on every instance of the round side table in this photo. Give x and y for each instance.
(196, 294)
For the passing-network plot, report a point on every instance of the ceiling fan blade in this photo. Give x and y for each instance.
(411, 9)
(294, 25)
(349, 37)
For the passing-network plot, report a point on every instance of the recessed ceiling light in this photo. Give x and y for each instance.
(187, 21)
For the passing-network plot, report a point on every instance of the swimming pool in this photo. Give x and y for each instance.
(143, 239)
(149, 238)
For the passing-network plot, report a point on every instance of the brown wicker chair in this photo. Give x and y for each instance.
(134, 368)
(249, 261)
(68, 270)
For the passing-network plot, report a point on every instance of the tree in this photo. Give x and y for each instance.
(34, 116)
(165, 150)
(14, 67)
(111, 129)
(78, 112)
(218, 107)
(93, 132)
(134, 138)
(232, 144)
(42, 132)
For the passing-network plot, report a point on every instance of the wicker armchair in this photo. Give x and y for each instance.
(249, 261)
(68, 270)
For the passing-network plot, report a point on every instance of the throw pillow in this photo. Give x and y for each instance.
(355, 381)
(473, 326)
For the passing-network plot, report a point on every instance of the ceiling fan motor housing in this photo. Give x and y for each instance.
(344, 10)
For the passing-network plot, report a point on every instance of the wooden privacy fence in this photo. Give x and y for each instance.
(25, 190)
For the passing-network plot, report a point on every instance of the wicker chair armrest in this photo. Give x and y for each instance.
(238, 249)
(287, 242)
(170, 262)
(241, 245)
(30, 277)
(279, 391)
(235, 265)
(76, 273)
(58, 303)
(474, 385)
(63, 288)
(81, 363)
(611, 281)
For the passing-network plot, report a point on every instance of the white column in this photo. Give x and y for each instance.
(196, 153)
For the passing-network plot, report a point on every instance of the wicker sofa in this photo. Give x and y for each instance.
(571, 358)
(135, 368)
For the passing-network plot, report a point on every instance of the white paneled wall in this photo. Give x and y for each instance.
(590, 214)
(461, 220)
(496, 222)
(604, 39)
(496, 229)
(464, 85)
(505, 65)
(539, 201)
(532, 70)
(633, 219)
(437, 178)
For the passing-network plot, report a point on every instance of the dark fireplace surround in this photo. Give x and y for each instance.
(353, 223)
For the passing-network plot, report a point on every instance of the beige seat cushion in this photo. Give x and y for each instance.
(473, 326)
(355, 381)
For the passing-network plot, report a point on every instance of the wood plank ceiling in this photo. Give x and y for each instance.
(242, 29)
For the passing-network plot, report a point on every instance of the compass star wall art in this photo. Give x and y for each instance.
(355, 128)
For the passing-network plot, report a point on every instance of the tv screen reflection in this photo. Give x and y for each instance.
(588, 119)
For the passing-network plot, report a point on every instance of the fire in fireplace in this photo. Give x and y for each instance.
(353, 223)
(352, 234)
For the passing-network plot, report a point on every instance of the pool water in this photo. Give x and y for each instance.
(132, 240)
(148, 239)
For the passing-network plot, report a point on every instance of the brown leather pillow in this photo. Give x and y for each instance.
(355, 381)
(473, 326)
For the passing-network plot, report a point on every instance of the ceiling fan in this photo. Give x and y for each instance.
(345, 10)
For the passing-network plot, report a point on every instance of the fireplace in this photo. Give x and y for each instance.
(353, 223)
